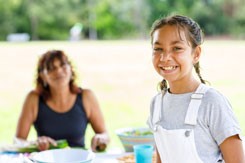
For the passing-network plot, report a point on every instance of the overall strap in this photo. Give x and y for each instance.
(196, 99)
(156, 112)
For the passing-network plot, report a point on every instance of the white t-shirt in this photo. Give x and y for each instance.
(215, 121)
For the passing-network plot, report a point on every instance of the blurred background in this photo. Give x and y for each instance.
(115, 19)
(108, 43)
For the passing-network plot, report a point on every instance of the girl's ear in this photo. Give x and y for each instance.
(197, 54)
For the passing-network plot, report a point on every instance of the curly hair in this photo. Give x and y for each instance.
(46, 62)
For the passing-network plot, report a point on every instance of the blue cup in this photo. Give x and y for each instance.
(143, 153)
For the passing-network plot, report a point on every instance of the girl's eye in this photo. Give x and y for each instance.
(176, 48)
(157, 49)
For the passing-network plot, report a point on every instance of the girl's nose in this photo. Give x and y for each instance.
(165, 56)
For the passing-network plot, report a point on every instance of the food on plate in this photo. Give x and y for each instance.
(133, 136)
(28, 147)
(33, 147)
(126, 159)
(130, 158)
(136, 132)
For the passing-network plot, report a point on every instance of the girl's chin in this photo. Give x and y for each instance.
(167, 75)
(169, 78)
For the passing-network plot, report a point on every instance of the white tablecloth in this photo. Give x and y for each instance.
(22, 158)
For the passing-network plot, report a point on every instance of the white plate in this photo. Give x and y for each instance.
(64, 156)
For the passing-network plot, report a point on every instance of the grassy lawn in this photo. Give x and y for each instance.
(121, 75)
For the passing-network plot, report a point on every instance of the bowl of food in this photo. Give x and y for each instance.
(134, 136)
(64, 156)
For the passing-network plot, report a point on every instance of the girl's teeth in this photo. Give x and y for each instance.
(169, 68)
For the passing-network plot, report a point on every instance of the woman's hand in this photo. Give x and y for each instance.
(101, 138)
(44, 142)
(99, 142)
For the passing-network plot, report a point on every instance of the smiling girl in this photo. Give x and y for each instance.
(192, 122)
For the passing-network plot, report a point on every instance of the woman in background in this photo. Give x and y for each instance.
(59, 109)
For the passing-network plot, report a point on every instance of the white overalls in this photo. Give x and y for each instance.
(177, 145)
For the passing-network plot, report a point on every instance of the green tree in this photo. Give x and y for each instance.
(6, 15)
(114, 19)
(211, 18)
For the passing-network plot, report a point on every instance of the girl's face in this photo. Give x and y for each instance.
(173, 57)
(58, 75)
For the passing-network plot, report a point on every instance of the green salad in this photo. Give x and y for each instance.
(138, 132)
(33, 148)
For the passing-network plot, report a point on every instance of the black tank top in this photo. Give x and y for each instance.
(70, 125)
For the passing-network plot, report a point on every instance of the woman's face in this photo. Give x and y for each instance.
(172, 56)
(57, 75)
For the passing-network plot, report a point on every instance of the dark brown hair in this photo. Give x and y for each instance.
(46, 61)
(192, 31)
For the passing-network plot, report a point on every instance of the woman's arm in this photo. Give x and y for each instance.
(27, 116)
(95, 116)
(232, 150)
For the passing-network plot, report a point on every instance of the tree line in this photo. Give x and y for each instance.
(115, 19)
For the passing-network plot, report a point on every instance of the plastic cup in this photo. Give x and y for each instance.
(143, 153)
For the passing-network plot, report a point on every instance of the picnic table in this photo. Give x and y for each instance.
(99, 157)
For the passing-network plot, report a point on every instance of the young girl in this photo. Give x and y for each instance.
(192, 122)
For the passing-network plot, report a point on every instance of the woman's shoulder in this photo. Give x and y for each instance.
(87, 92)
(32, 95)
(34, 92)
(89, 101)
(88, 96)
(30, 106)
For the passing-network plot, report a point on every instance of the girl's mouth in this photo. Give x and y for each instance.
(168, 68)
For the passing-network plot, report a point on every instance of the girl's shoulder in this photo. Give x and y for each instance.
(158, 95)
(214, 95)
(215, 102)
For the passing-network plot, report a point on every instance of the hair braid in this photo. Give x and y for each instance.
(197, 69)
(163, 86)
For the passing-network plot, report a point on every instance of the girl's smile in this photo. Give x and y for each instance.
(173, 56)
(168, 68)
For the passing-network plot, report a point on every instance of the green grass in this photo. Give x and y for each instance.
(121, 75)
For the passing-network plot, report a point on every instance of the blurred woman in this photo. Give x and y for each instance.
(59, 109)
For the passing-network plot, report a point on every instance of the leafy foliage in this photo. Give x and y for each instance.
(113, 19)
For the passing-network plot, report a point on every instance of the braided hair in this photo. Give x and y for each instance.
(192, 31)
